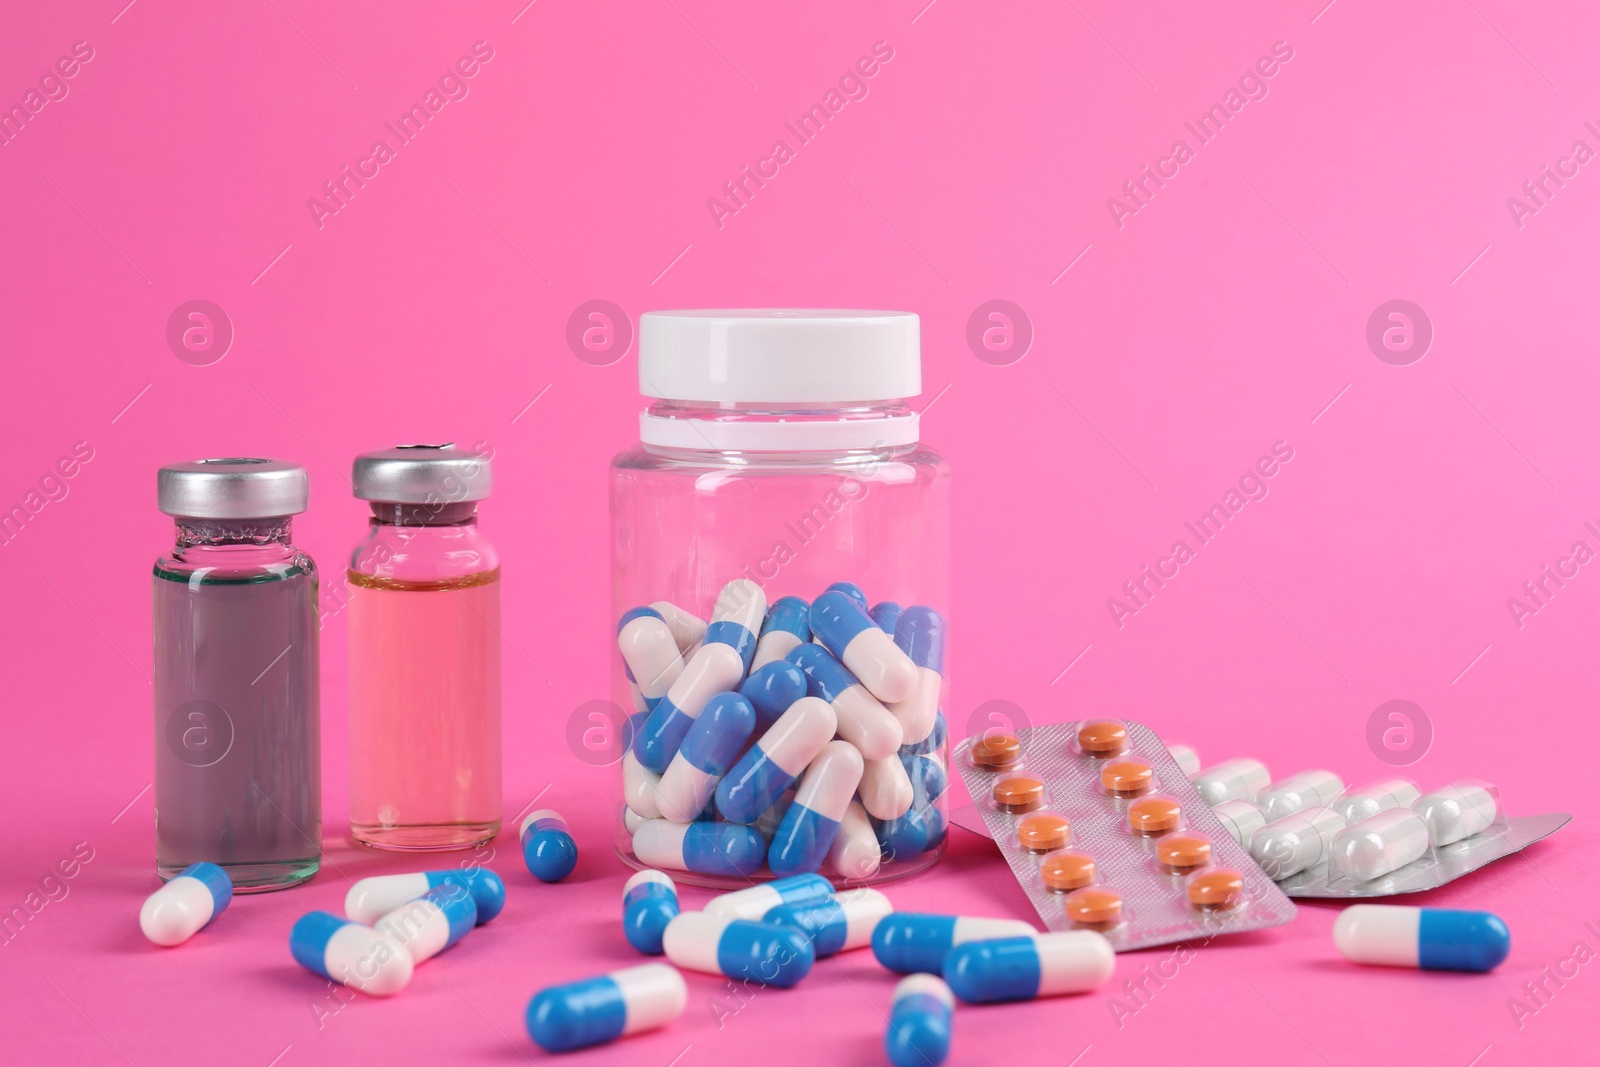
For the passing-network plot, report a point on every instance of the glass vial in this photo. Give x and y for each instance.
(424, 654)
(237, 717)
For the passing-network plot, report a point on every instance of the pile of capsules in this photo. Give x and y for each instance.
(784, 738)
(773, 934)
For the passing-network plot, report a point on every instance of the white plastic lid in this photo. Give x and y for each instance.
(779, 355)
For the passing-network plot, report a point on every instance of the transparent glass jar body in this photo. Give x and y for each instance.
(686, 521)
(424, 629)
(238, 778)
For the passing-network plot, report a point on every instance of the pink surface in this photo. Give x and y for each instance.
(1175, 339)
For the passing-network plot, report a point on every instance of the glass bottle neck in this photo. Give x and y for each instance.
(436, 514)
(207, 533)
(769, 427)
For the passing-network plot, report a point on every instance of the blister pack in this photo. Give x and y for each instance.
(1321, 840)
(1105, 832)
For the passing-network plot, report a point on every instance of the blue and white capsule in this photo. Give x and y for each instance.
(639, 787)
(737, 617)
(1434, 939)
(714, 668)
(1025, 968)
(649, 903)
(547, 845)
(759, 952)
(182, 908)
(933, 742)
(723, 848)
(863, 721)
(688, 629)
(350, 953)
(885, 615)
(851, 590)
(597, 1010)
(919, 1022)
(432, 923)
(650, 651)
(787, 625)
(917, 831)
(920, 634)
(812, 821)
(370, 899)
(707, 753)
(855, 854)
(910, 942)
(886, 789)
(754, 903)
(846, 630)
(838, 923)
(928, 777)
(774, 762)
(771, 689)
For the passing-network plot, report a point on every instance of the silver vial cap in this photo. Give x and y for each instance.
(422, 474)
(233, 488)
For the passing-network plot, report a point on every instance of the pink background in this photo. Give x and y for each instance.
(1227, 314)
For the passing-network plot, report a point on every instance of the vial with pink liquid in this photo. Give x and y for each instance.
(424, 654)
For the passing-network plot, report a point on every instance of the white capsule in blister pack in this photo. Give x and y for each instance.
(1295, 843)
(1380, 845)
(1240, 818)
(1308, 789)
(1458, 811)
(1367, 801)
(1234, 779)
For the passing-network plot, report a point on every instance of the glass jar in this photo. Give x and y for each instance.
(424, 654)
(779, 454)
(237, 716)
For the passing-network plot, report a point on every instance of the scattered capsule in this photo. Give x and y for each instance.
(776, 760)
(1458, 811)
(885, 615)
(737, 616)
(597, 1010)
(1367, 801)
(771, 689)
(907, 942)
(836, 923)
(723, 848)
(932, 743)
(862, 721)
(920, 634)
(917, 831)
(182, 908)
(349, 953)
(1434, 939)
(649, 903)
(707, 753)
(845, 629)
(886, 790)
(812, 821)
(650, 651)
(1186, 758)
(1295, 843)
(688, 629)
(714, 668)
(788, 624)
(1308, 789)
(754, 903)
(759, 952)
(547, 845)
(1240, 818)
(432, 923)
(919, 1022)
(639, 787)
(1234, 779)
(1023, 968)
(1380, 845)
(855, 854)
(370, 899)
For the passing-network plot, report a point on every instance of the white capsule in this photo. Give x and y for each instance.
(1234, 779)
(687, 629)
(830, 780)
(652, 655)
(1295, 843)
(1240, 818)
(1458, 811)
(867, 724)
(773, 646)
(639, 702)
(1367, 801)
(631, 820)
(1187, 760)
(1308, 789)
(1380, 845)
(855, 853)
(639, 787)
(886, 790)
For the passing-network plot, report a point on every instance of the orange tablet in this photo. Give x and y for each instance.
(1103, 737)
(1065, 871)
(1152, 816)
(1182, 853)
(1127, 777)
(1216, 889)
(996, 750)
(1044, 832)
(1094, 906)
(1018, 793)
